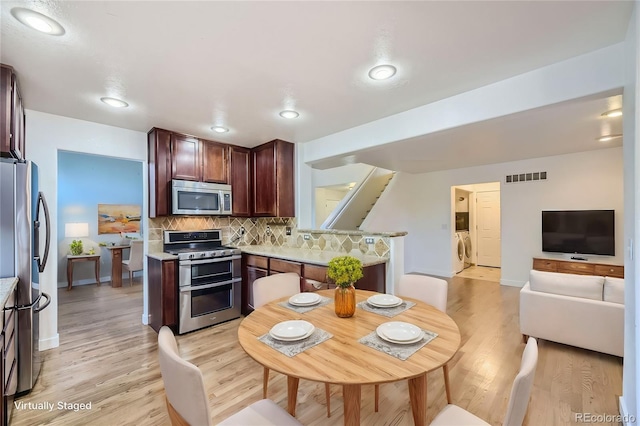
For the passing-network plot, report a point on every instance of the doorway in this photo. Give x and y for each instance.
(482, 240)
(327, 199)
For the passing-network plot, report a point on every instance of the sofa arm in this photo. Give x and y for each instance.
(585, 323)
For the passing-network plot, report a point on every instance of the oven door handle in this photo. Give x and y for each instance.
(204, 287)
(211, 260)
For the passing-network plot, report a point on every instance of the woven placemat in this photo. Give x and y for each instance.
(387, 312)
(303, 309)
(396, 350)
(294, 348)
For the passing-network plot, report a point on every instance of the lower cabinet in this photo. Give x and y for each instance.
(312, 277)
(9, 365)
(163, 293)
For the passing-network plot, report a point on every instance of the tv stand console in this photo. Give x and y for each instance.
(578, 267)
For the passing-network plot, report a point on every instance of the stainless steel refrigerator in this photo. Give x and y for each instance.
(24, 248)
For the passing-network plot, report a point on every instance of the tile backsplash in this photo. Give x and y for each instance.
(266, 231)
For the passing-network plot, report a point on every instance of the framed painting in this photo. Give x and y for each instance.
(117, 218)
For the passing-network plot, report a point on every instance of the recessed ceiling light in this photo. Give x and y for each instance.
(382, 72)
(613, 113)
(116, 103)
(607, 138)
(37, 21)
(289, 113)
(219, 129)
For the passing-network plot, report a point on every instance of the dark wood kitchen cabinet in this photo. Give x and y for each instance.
(253, 267)
(185, 158)
(159, 160)
(214, 161)
(12, 117)
(273, 176)
(240, 179)
(163, 293)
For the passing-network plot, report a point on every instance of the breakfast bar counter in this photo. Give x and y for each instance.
(315, 257)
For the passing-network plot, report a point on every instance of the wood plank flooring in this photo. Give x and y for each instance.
(106, 357)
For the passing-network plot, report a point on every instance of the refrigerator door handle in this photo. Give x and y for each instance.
(36, 233)
(42, 308)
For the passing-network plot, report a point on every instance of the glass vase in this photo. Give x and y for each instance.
(345, 301)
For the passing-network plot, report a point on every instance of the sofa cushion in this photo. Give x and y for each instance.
(586, 286)
(614, 290)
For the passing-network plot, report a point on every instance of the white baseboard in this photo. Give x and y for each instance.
(626, 418)
(50, 343)
(145, 319)
(437, 273)
(512, 283)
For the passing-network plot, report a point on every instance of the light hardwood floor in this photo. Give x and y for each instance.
(108, 358)
(484, 273)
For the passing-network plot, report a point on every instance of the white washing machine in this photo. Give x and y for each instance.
(458, 253)
(466, 241)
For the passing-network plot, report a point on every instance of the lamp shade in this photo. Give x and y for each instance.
(76, 230)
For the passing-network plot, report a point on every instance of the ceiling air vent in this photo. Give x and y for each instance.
(525, 177)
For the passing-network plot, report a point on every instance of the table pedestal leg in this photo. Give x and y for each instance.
(351, 396)
(418, 397)
(292, 394)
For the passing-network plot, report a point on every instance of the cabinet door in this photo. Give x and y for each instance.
(240, 180)
(17, 121)
(214, 162)
(5, 110)
(159, 160)
(252, 274)
(184, 158)
(264, 180)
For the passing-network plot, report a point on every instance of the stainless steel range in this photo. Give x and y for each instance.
(209, 278)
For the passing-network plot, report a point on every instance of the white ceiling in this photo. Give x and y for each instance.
(186, 66)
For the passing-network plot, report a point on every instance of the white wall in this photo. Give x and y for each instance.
(325, 199)
(421, 204)
(46, 134)
(629, 402)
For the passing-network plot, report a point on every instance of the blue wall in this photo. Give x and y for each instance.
(84, 181)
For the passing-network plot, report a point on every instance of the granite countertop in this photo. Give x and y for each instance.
(160, 255)
(7, 285)
(316, 257)
(352, 232)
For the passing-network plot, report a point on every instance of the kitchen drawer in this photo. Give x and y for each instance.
(576, 268)
(279, 265)
(257, 261)
(315, 272)
(9, 355)
(610, 270)
(8, 313)
(545, 265)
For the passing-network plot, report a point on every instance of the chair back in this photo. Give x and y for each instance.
(183, 383)
(275, 286)
(430, 290)
(521, 390)
(136, 256)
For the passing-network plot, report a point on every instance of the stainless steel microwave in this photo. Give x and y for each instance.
(200, 198)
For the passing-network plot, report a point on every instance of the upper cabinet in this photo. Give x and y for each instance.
(273, 174)
(159, 160)
(214, 162)
(240, 179)
(12, 118)
(185, 161)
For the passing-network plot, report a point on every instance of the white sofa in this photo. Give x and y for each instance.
(586, 311)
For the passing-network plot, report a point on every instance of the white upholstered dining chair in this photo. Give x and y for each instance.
(186, 397)
(432, 291)
(452, 415)
(272, 287)
(136, 256)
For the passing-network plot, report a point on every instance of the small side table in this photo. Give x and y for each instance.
(71, 260)
(116, 264)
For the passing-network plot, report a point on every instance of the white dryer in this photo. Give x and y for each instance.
(466, 241)
(458, 253)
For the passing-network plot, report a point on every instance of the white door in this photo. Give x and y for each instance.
(488, 227)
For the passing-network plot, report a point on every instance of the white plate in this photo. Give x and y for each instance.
(293, 339)
(406, 342)
(292, 330)
(304, 299)
(384, 301)
(399, 332)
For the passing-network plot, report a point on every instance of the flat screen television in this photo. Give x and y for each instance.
(579, 231)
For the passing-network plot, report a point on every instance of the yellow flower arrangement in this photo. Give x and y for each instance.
(344, 270)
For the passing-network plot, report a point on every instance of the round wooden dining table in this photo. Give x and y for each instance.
(342, 360)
